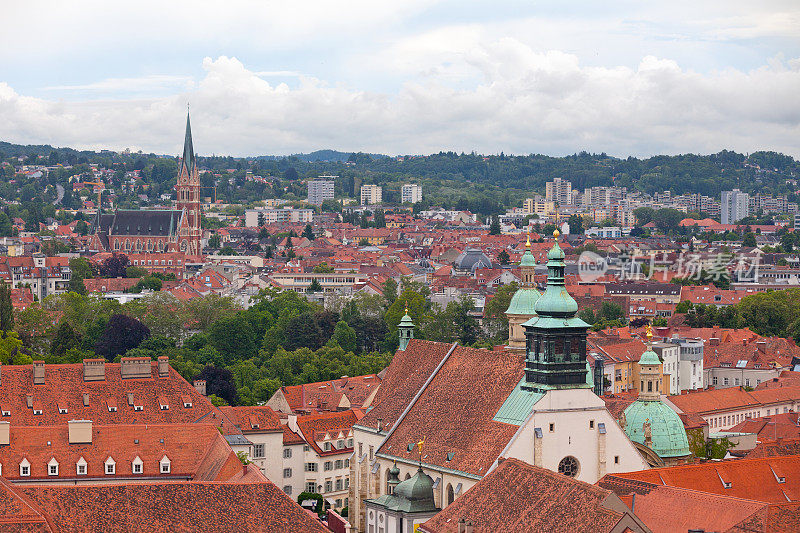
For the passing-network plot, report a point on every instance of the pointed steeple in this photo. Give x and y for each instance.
(405, 330)
(556, 302)
(188, 149)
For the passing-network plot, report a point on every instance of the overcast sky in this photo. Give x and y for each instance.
(406, 77)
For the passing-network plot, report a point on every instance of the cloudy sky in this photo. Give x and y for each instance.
(405, 77)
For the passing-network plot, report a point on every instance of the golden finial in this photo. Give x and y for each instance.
(419, 447)
(556, 233)
(406, 307)
(648, 332)
(528, 244)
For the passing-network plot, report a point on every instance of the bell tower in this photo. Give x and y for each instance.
(188, 189)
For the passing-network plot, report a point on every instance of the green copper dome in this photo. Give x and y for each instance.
(406, 321)
(649, 357)
(666, 429)
(555, 253)
(556, 301)
(523, 302)
(527, 259)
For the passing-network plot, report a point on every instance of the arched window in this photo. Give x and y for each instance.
(649, 386)
(451, 495)
(568, 466)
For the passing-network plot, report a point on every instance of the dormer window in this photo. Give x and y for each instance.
(81, 467)
(164, 465)
(138, 408)
(137, 465)
(340, 444)
(24, 468)
(37, 411)
(52, 467)
(62, 410)
(163, 403)
(111, 466)
(6, 412)
(327, 446)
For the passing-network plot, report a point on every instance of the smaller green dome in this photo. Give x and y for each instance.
(523, 302)
(666, 429)
(527, 259)
(556, 301)
(406, 321)
(417, 492)
(649, 357)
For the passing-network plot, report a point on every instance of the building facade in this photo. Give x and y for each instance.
(735, 205)
(320, 190)
(371, 194)
(411, 193)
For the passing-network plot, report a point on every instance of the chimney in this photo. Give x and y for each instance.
(761, 346)
(86, 399)
(468, 526)
(5, 433)
(130, 398)
(94, 370)
(380, 424)
(163, 366)
(29, 400)
(461, 525)
(200, 386)
(135, 368)
(80, 431)
(713, 341)
(38, 372)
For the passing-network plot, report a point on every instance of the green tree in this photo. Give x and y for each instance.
(390, 290)
(345, 336)
(644, 215)
(214, 242)
(494, 227)
(315, 286)
(64, 340)
(323, 268)
(667, 220)
(495, 318)
(233, 338)
(749, 240)
(575, 225)
(6, 308)
(503, 257)
(308, 232)
(81, 267)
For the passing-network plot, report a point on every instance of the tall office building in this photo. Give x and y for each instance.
(559, 191)
(371, 194)
(320, 189)
(411, 193)
(735, 206)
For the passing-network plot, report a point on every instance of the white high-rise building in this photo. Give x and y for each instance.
(411, 193)
(735, 206)
(371, 194)
(559, 191)
(320, 189)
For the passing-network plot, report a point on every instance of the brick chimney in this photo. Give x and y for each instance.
(163, 366)
(38, 372)
(761, 346)
(5, 433)
(29, 400)
(94, 370)
(135, 368)
(200, 386)
(80, 431)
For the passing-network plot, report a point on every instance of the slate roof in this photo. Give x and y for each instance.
(146, 222)
(517, 496)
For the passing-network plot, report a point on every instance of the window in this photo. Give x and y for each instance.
(52, 468)
(338, 484)
(371, 453)
(340, 444)
(311, 486)
(591, 424)
(349, 443)
(81, 467)
(568, 466)
(552, 427)
(111, 466)
(347, 482)
(327, 466)
(287, 489)
(338, 503)
(347, 463)
(137, 466)
(736, 381)
(165, 465)
(258, 451)
(24, 468)
(311, 467)
(360, 449)
(305, 448)
(616, 459)
(287, 453)
(327, 447)
(714, 380)
(747, 382)
(328, 486)
(337, 464)
(287, 472)
(725, 381)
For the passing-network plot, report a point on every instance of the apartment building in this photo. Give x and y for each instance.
(411, 193)
(559, 191)
(320, 189)
(44, 275)
(371, 194)
(735, 205)
(300, 281)
(683, 363)
(261, 216)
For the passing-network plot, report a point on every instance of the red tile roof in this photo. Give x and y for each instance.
(517, 496)
(253, 419)
(146, 507)
(338, 425)
(751, 479)
(455, 411)
(329, 395)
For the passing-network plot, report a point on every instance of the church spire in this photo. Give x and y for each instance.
(188, 149)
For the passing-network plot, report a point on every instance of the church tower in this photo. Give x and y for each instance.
(522, 305)
(188, 188)
(405, 330)
(555, 337)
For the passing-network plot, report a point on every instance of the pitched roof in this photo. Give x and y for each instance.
(195, 451)
(455, 412)
(404, 376)
(750, 479)
(315, 427)
(667, 509)
(328, 395)
(253, 419)
(517, 496)
(176, 506)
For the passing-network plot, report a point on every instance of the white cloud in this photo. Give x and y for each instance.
(525, 101)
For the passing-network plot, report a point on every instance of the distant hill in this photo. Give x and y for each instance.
(321, 156)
